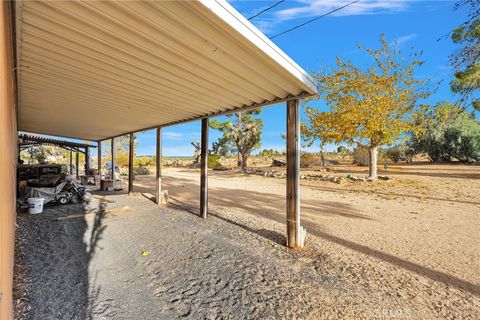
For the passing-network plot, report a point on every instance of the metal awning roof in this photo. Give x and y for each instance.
(97, 69)
(27, 140)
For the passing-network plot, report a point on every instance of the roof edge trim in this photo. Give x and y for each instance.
(245, 28)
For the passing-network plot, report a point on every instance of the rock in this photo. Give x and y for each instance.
(386, 178)
(330, 178)
(278, 163)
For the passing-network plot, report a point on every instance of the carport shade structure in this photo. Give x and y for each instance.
(27, 140)
(101, 69)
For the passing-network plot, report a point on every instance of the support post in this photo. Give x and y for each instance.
(99, 159)
(76, 165)
(8, 158)
(87, 161)
(295, 233)
(204, 170)
(112, 175)
(71, 162)
(159, 166)
(130, 164)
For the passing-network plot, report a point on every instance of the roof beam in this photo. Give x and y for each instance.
(222, 113)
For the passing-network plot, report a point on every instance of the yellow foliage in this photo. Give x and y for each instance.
(372, 107)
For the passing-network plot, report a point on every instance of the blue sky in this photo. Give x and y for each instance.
(423, 25)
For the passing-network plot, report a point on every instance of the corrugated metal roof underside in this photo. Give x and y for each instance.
(92, 70)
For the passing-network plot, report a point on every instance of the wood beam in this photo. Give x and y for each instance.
(87, 160)
(112, 162)
(204, 170)
(71, 162)
(76, 165)
(8, 140)
(131, 151)
(295, 233)
(99, 159)
(159, 166)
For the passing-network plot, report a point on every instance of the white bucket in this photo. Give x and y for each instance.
(35, 205)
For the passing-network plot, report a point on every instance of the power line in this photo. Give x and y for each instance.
(314, 19)
(265, 10)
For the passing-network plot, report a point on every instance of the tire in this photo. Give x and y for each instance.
(63, 200)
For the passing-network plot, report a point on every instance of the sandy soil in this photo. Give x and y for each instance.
(406, 248)
(426, 218)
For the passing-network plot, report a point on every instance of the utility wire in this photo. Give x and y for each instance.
(265, 10)
(314, 19)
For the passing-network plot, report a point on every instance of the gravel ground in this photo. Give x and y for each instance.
(167, 263)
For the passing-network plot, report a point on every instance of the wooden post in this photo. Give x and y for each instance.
(295, 234)
(87, 161)
(71, 162)
(204, 170)
(112, 175)
(8, 139)
(130, 164)
(76, 165)
(159, 166)
(99, 159)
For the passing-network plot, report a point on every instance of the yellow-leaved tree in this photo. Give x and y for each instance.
(368, 107)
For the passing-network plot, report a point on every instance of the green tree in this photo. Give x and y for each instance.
(244, 131)
(268, 153)
(122, 146)
(197, 149)
(466, 60)
(222, 147)
(371, 107)
(343, 151)
(448, 134)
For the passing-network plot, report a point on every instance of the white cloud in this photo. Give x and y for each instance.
(406, 38)
(172, 135)
(311, 8)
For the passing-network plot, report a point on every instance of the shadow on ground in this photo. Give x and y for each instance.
(52, 254)
(273, 208)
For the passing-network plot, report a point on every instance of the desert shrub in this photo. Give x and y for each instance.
(462, 144)
(123, 171)
(449, 135)
(145, 162)
(214, 162)
(308, 159)
(397, 152)
(361, 156)
(269, 153)
(141, 171)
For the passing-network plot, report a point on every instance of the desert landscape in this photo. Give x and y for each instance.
(406, 247)
(425, 218)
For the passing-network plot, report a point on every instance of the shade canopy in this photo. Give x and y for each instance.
(96, 69)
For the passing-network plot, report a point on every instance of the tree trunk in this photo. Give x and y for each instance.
(239, 126)
(244, 163)
(322, 156)
(372, 167)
